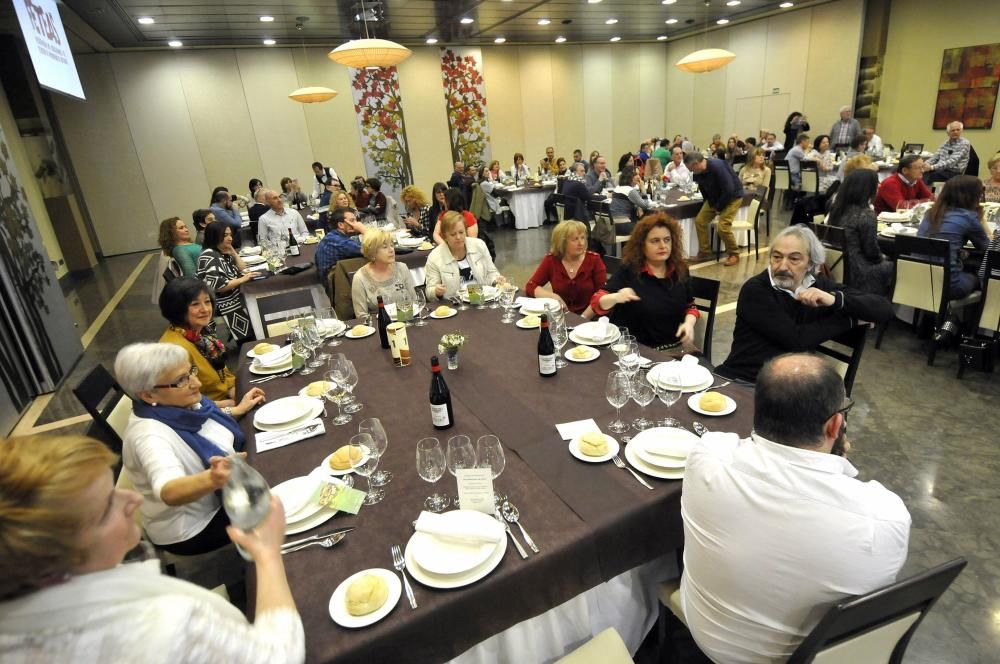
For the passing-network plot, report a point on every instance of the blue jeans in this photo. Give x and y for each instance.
(324, 198)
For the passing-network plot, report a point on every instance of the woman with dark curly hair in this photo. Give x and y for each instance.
(651, 293)
(175, 241)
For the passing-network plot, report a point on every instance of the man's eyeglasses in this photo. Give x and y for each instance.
(845, 410)
(180, 382)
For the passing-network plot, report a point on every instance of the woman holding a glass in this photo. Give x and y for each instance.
(459, 261)
(381, 275)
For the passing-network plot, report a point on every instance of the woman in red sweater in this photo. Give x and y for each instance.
(569, 273)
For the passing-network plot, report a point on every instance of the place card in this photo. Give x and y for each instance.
(475, 489)
(570, 430)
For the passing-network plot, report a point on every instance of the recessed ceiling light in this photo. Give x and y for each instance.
(173, 43)
(269, 42)
(499, 40)
(668, 2)
(661, 38)
(593, 2)
(146, 20)
(466, 20)
(732, 3)
(615, 38)
(722, 21)
(786, 5)
(670, 21)
(543, 21)
(266, 19)
(611, 21)
(432, 40)
(560, 39)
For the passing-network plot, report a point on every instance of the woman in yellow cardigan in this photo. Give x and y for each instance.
(188, 306)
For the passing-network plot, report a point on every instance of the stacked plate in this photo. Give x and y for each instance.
(329, 327)
(538, 305)
(594, 334)
(300, 497)
(440, 562)
(890, 217)
(661, 452)
(688, 376)
(410, 242)
(277, 361)
(489, 293)
(287, 413)
(254, 260)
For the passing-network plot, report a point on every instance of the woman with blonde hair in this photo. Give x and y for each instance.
(569, 273)
(458, 260)
(755, 174)
(382, 275)
(418, 211)
(65, 595)
(651, 292)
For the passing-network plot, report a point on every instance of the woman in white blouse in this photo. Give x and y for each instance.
(825, 161)
(519, 171)
(175, 447)
(459, 261)
(65, 595)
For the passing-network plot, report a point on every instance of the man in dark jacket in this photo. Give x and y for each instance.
(723, 194)
(789, 308)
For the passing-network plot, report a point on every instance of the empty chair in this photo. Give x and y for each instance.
(706, 297)
(277, 308)
(846, 350)
(809, 174)
(104, 399)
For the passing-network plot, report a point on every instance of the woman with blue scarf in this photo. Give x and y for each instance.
(175, 447)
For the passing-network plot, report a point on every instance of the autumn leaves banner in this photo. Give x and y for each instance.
(378, 106)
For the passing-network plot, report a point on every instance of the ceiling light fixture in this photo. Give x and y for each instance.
(593, 2)
(733, 3)
(146, 20)
(707, 59)
(173, 43)
(670, 21)
(266, 19)
(661, 38)
(668, 2)
(615, 38)
(499, 40)
(560, 39)
(786, 5)
(314, 93)
(369, 52)
(467, 20)
(543, 21)
(269, 42)
(432, 40)
(611, 21)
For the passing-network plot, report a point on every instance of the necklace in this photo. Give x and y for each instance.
(571, 269)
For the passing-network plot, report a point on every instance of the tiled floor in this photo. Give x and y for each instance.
(917, 429)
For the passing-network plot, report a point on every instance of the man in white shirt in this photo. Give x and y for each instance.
(875, 147)
(776, 526)
(771, 144)
(278, 220)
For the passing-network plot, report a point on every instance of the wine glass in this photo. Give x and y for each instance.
(374, 427)
(419, 305)
(245, 497)
(489, 453)
(494, 302)
(404, 309)
(508, 295)
(559, 338)
(301, 348)
(349, 372)
(667, 385)
(616, 390)
(431, 465)
(314, 339)
(364, 461)
(630, 360)
(643, 394)
(337, 392)
(460, 454)
(325, 320)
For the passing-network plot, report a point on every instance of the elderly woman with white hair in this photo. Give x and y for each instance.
(792, 308)
(175, 447)
(381, 276)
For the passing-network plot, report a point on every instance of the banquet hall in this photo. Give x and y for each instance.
(175, 100)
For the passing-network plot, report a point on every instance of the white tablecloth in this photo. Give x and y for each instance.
(528, 206)
(691, 234)
(628, 602)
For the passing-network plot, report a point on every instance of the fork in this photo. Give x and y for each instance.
(272, 377)
(621, 464)
(715, 387)
(400, 565)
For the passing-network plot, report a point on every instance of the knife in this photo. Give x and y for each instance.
(313, 538)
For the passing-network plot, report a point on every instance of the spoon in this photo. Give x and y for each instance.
(512, 515)
(699, 428)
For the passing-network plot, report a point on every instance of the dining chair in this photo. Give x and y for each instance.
(750, 224)
(605, 648)
(612, 264)
(782, 180)
(560, 202)
(923, 278)
(106, 402)
(876, 626)
(809, 177)
(979, 350)
(273, 310)
(834, 241)
(342, 300)
(706, 297)
(846, 350)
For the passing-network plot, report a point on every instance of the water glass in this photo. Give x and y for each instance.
(302, 348)
(404, 309)
(431, 465)
(668, 389)
(350, 379)
(373, 426)
(364, 461)
(617, 392)
(560, 336)
(643, 394)
(508, 295)
(419, 307)
(489, 453)
(326, 319)
(337, 392)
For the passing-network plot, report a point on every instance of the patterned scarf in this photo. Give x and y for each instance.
(209, 345)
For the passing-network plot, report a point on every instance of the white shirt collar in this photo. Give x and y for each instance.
(807, 282)
(811, 459)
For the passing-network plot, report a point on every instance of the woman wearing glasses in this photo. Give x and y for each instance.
(175, 447)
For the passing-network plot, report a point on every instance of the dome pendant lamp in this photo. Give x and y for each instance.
(368, 52)
(706, 59)
(311, 94)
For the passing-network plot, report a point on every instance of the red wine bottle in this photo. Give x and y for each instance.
(383, 323)
(293, 244)
(546, 350)
(442, 416)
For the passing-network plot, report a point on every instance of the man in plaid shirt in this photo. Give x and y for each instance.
(845, 129)
(951, 159)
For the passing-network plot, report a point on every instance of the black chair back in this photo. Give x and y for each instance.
(835, 242)
(612, 264)
(99, 387)
(276, 308)
(854, 342)
(857, 617)
(576, 195)
(973, 166)
(706, 297)
(912, 148)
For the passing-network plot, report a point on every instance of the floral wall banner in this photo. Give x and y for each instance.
(465, 95)
(379, 109)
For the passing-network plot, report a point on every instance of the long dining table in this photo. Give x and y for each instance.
(591, 522)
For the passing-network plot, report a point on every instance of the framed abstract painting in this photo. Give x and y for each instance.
(967, 90)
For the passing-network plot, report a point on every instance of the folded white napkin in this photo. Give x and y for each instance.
(689, 360)
(472, 531)
(250, 251)
(275, 358)
(603, 327)
(259, 267)
(570, 430)
(673, 443)
(270, 440)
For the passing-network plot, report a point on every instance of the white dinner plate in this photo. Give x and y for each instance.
(583, 334)
(693, 405)
(439, 555)
(592, 355)
(613, 449)
(527, 326)
(297, 496)
(250, 352)
(253, 260)
(895, 216)
(539, 306)
(669, 444)
(410, 242)
(692, 377)
(432, 580)
(267, 371)
(302, 392)
(317, 519)
(338, 601)
(283, 411)
(369, 331)
(330, 470)
(647, 469)
(451, 312)
(329, 327)
(314, 411)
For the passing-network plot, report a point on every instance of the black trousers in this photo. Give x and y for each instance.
(212, 537)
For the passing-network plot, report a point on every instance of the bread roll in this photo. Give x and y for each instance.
(442, 311)
(358, 330)
(712, 402)
(263, 348)
(366, 594)
(581, 352)
(317, 388)
(593, 444)
(531, 321)
(340, 459)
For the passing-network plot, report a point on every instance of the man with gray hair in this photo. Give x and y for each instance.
(951, 159)
(723, 193)
(277, 221)
(791, 308)
(845, 129)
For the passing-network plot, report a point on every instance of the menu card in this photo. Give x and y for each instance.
(475, 489)
(570, 430)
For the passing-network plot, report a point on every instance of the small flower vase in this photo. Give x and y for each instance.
(452, 359)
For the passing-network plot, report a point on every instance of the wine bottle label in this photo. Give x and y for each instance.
(439, 415)
(547, 364)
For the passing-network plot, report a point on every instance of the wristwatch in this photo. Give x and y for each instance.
(228, 410)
